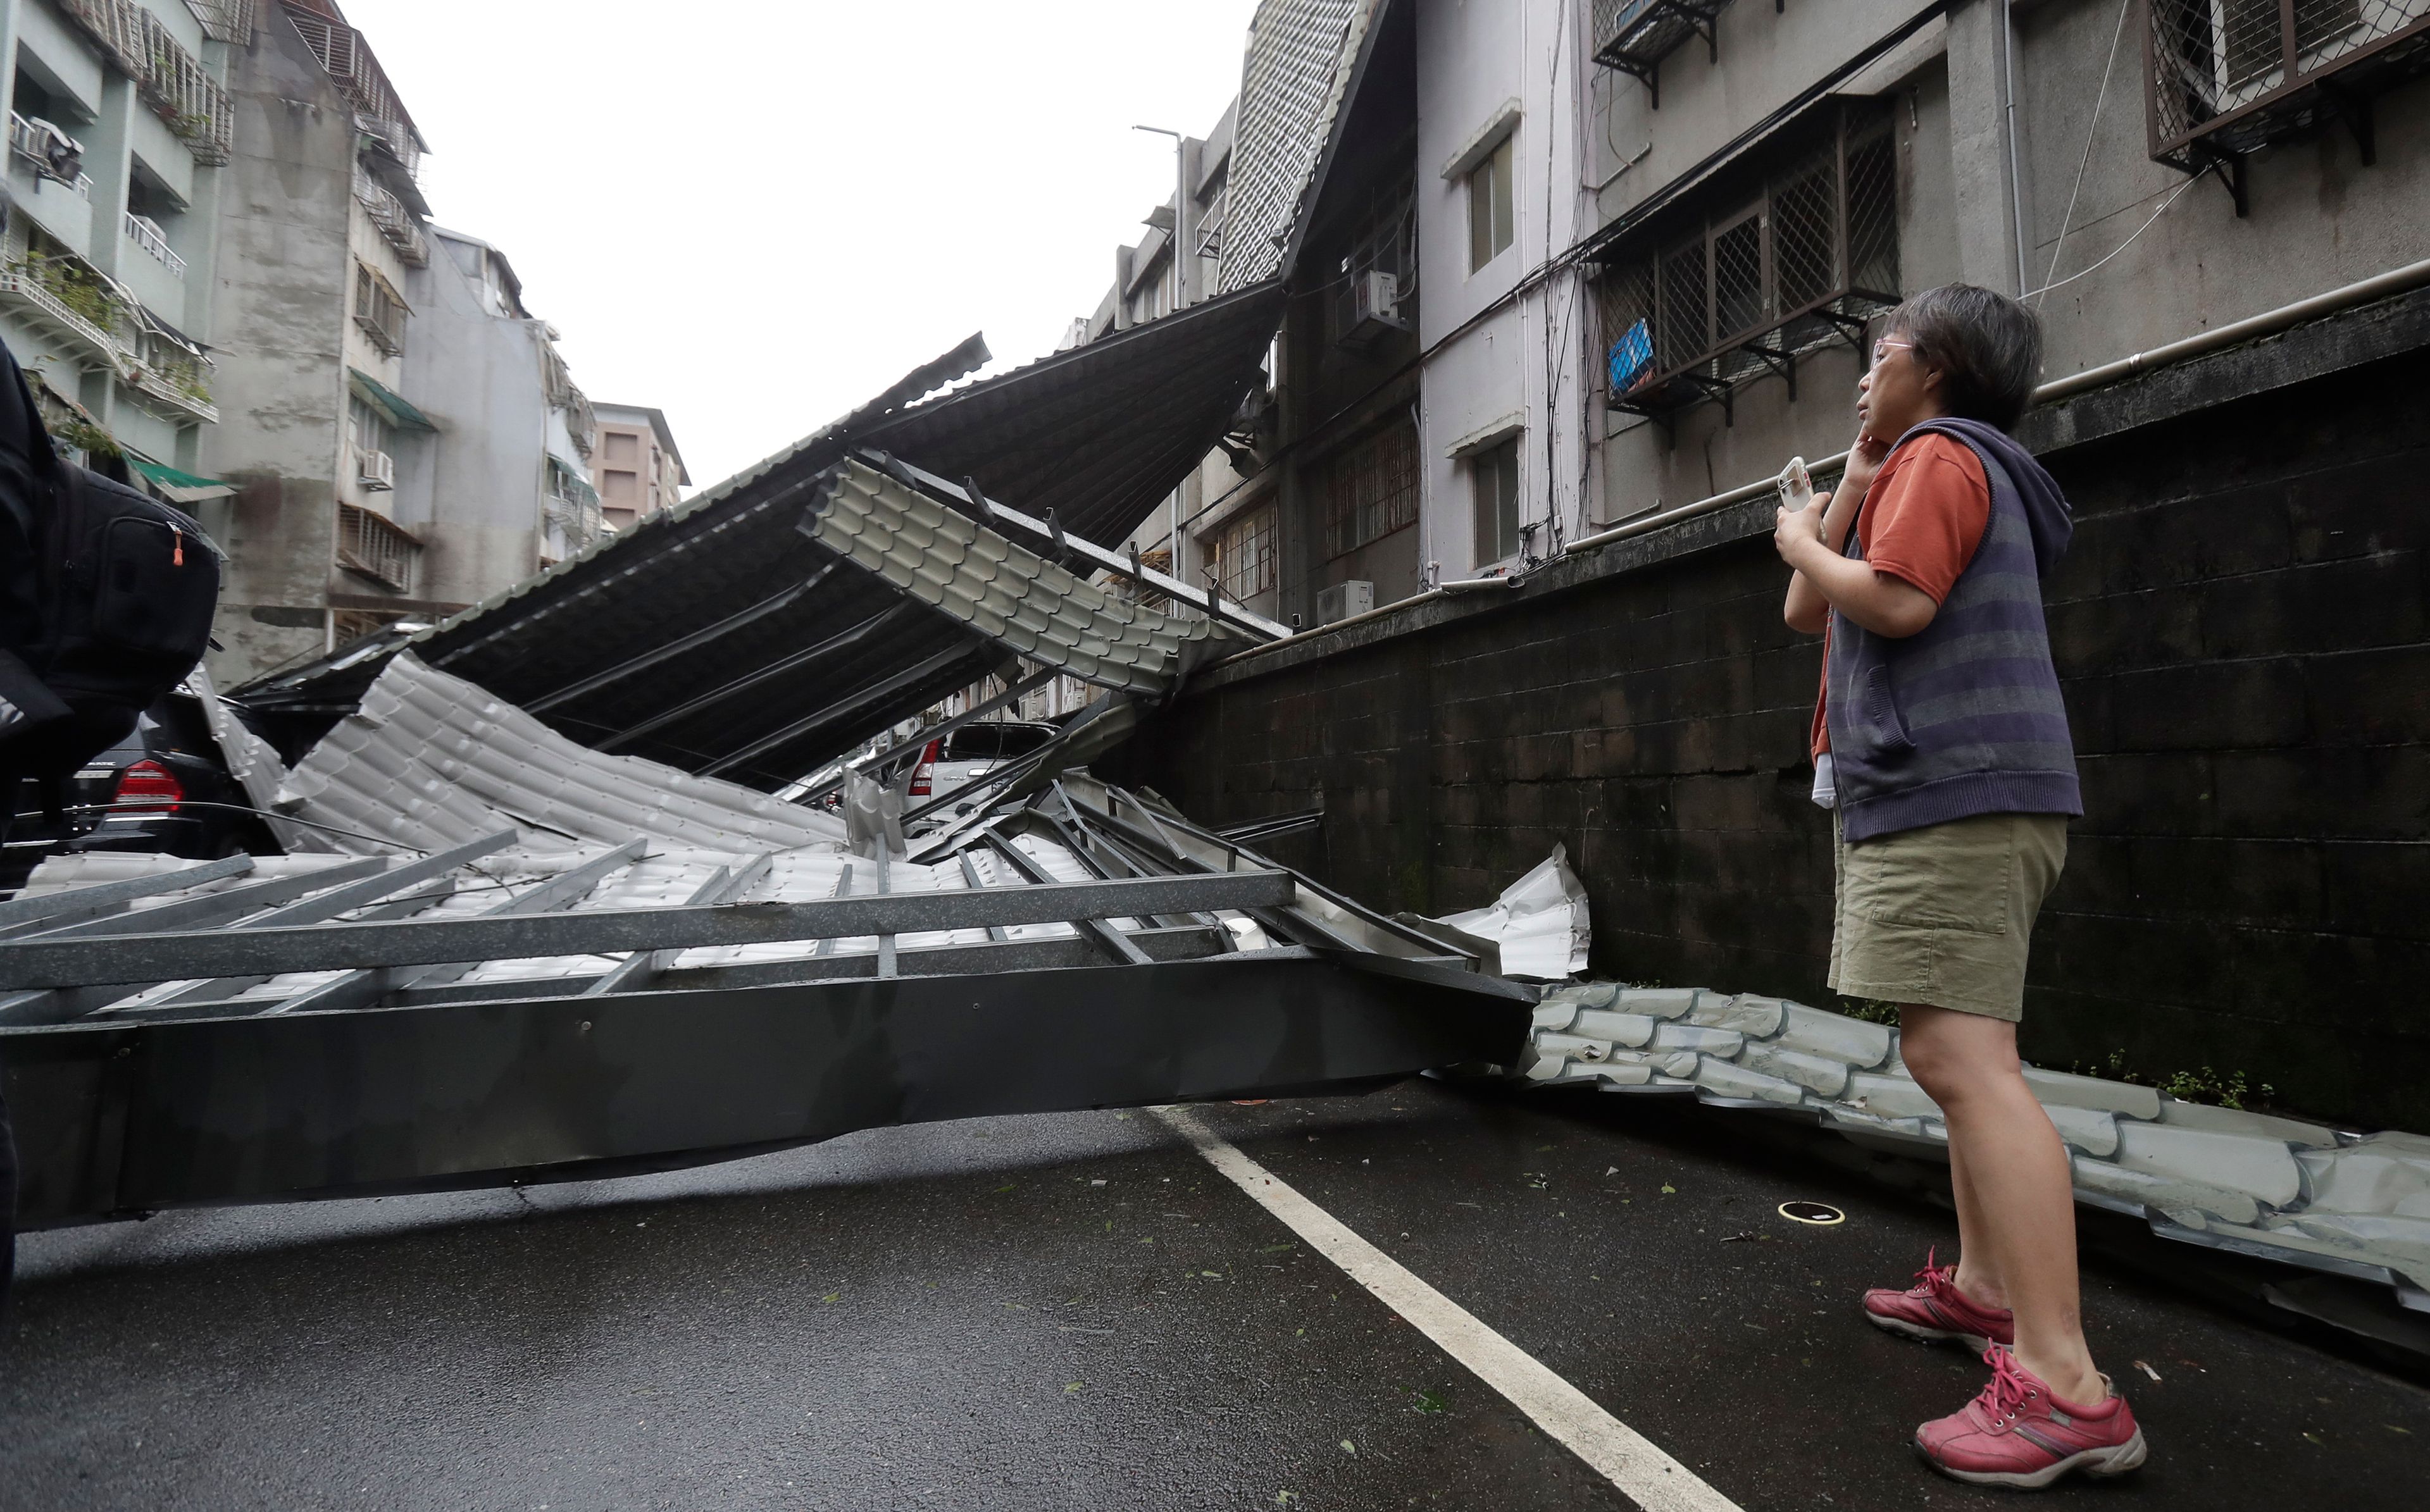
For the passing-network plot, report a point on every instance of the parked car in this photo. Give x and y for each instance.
(971, 753)
(164, 789)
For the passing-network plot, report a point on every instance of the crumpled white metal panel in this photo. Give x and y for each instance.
(429, 761)
(1294, 84)
(1049, 615)
(1540, 923)
(2276, 1186)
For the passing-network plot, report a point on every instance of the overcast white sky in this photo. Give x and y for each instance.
(756, 214)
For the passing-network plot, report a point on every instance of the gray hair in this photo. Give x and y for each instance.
(1987, 347)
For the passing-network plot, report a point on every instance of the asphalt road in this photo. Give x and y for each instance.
(1076, 1311)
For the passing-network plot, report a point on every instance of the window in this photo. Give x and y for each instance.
(620, 486)
(1243, 552)
(2232, 76)
(1494, 473)
(367, 428)
(1490, 220)
(379, 310)
(622, 446)
(1372, 490)
(1789, 256)
(619, 519)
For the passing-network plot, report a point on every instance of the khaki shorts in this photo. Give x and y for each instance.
(1943, 915)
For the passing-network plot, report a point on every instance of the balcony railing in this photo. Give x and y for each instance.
(376, 547)
(394, 221)
(224, 20)
(25, 286)
(146, 233)
(348, 57)
(1767, 276)
(1633, 36)
(173, 80)
(180, 388)
(2227, 77)
(51, 153)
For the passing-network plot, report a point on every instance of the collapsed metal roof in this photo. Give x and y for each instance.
(179, 1034)
(728, 637)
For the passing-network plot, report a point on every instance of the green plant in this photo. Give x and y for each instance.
(87, 437)
(1873, 1010)
(79, 288)
(2231, 1090)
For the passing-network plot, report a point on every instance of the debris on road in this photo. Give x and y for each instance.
(2345, 1206)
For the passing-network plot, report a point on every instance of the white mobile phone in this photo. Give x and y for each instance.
(1795, 484)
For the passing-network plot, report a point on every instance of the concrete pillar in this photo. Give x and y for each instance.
(106, 142)
(1979, 147)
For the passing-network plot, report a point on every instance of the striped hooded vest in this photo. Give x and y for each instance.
(1964, 717)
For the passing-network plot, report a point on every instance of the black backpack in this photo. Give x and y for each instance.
(110, 600)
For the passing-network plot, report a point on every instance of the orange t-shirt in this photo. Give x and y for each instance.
(1920, 523)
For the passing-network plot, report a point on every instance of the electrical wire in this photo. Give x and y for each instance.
(2122, 245)
(2089, 132)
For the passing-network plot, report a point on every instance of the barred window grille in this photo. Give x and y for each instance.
(1633, 36)
(1244, 552)
(375, 546)
(224, 20)
(1373, 490)
(380, 312)
(1760, 279)
(2227, 77)
(351, 64)
(1385, 241)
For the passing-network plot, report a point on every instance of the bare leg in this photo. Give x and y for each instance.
(2023, 1198)
(1977, 1277)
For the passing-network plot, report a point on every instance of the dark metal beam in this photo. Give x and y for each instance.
(328, 947)
(114, 1120)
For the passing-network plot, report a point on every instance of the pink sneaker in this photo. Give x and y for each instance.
(2016, 1433)
(1934, 1309)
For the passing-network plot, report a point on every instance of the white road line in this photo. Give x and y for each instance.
(1621, 1455)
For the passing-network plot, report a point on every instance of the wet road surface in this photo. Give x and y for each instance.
(1076, 1311)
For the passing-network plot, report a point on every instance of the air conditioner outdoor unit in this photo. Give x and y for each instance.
(378, 472)
(1374, 307)
(1342, 600)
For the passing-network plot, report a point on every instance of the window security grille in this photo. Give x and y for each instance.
(1244, 554)
(1494, 478)
(1761, 281)
(1374, 489)
(1385, 241)
(376, 547)
(1633, 36)
(2227, 77)
(379, 310)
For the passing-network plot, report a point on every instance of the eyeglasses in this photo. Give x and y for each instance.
(1882, 348)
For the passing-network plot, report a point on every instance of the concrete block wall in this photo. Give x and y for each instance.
(2240, 629)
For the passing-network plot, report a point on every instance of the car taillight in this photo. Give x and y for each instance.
(148, 787)
(927, 764)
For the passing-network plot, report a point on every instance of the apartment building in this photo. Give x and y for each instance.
(119, 134)
(641, 470)
(1654, 241)
(404, 437)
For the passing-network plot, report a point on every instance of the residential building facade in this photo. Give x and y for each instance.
(119, 134)
(404, 438)
(640, 468)
(1655, 243)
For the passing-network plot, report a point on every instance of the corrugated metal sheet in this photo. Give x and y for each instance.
(2289, 1190)
(1293, 85)
(685, 641)
(431, 761)
(1009, 594)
